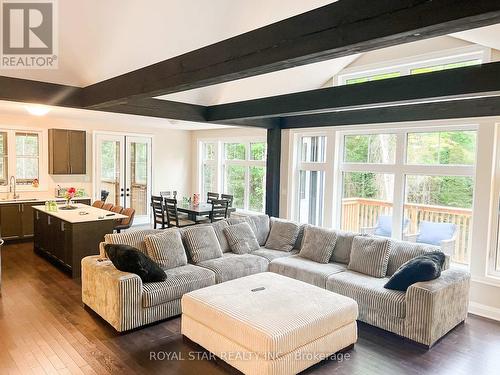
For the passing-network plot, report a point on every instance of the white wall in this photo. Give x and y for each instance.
(171, 159)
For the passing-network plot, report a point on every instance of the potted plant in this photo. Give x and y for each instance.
(70, 194)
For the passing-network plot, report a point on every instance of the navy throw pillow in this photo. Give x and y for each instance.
(422, 268)
(128, 259)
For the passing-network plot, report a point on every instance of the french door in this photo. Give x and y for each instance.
(123, 170)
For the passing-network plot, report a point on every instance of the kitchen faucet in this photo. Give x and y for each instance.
(13, 178)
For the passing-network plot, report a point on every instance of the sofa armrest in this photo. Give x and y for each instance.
(434, 307)
(115, 295)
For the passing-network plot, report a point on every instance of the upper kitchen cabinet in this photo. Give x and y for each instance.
(67, 151)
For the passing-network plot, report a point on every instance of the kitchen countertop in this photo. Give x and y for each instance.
(74, 216)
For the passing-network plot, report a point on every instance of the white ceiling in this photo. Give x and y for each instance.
(102, 39)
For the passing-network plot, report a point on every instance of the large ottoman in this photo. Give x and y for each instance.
(269, 324)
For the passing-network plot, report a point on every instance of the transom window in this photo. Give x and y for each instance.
(236, 168)
(431, 63)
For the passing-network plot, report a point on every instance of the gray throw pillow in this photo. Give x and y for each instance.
(342, 251)
(283, 235)
(241, 238)
(370, 255)
(202, 243)
(318, 244)
(166, 248)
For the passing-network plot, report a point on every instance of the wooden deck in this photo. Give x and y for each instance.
(44, 329)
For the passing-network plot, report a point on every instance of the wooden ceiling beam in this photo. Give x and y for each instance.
(483, 80)
(338, 29)
(36, 92)
(479, 107)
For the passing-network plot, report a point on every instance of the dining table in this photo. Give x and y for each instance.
(200, 209)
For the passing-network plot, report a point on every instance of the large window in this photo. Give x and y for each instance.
(468, 56)
(412, 185)
(309, 205)
(19, 156)
(236, 168)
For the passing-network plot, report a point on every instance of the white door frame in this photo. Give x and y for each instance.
(96, 158)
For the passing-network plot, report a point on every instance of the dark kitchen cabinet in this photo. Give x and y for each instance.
(16, 219)
(11, 221)
(67, 243)
(67, 151)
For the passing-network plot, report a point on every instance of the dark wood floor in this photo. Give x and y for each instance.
(45, 329)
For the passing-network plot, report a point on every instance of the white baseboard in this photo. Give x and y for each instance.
(484, 311)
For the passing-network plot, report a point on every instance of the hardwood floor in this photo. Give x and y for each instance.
(44, 329)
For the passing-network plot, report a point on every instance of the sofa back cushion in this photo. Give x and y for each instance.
(241, 238)
(219, 227)
(403, 251)
(318, 243)
(343, 245)
(370, 255)
(166, 249)
(134, 238)
(201, 243)
(262, 227)
(283, 235)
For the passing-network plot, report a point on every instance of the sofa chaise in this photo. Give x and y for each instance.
(424, 313)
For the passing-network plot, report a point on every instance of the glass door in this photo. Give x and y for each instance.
(138, 177)
(123, 171)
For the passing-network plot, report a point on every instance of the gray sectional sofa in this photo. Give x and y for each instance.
(424, 313)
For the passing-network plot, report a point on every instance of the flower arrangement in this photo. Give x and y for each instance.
(70, 194)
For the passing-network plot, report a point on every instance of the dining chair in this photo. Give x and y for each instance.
(211, 196)
(158, 210)
(173, 219)
(98, 204)
(108, 206)
(117, 209)
(229, 198)
(104, 195)
(219, 210)
(127, 222)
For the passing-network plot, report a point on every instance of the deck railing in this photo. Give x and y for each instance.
(138, 195)
(358, 213)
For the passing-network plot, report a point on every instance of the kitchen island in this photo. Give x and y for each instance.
(66, 236)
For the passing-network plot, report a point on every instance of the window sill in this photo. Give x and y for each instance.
(487, 280)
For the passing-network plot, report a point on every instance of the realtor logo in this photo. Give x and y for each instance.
(28, 34)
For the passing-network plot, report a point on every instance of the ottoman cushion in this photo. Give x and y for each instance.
(271, 321)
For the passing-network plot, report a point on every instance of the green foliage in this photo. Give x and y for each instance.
(432, 148)
(235, 151)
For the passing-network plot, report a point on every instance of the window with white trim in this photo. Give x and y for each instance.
(460, 58)
(311, 171)
(410, 184)
(237, 168)
(19, 156)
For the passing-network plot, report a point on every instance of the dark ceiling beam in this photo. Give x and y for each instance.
(479, 107)
(338, 29)
(36, 92)
(161, 109)
(453, 83)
